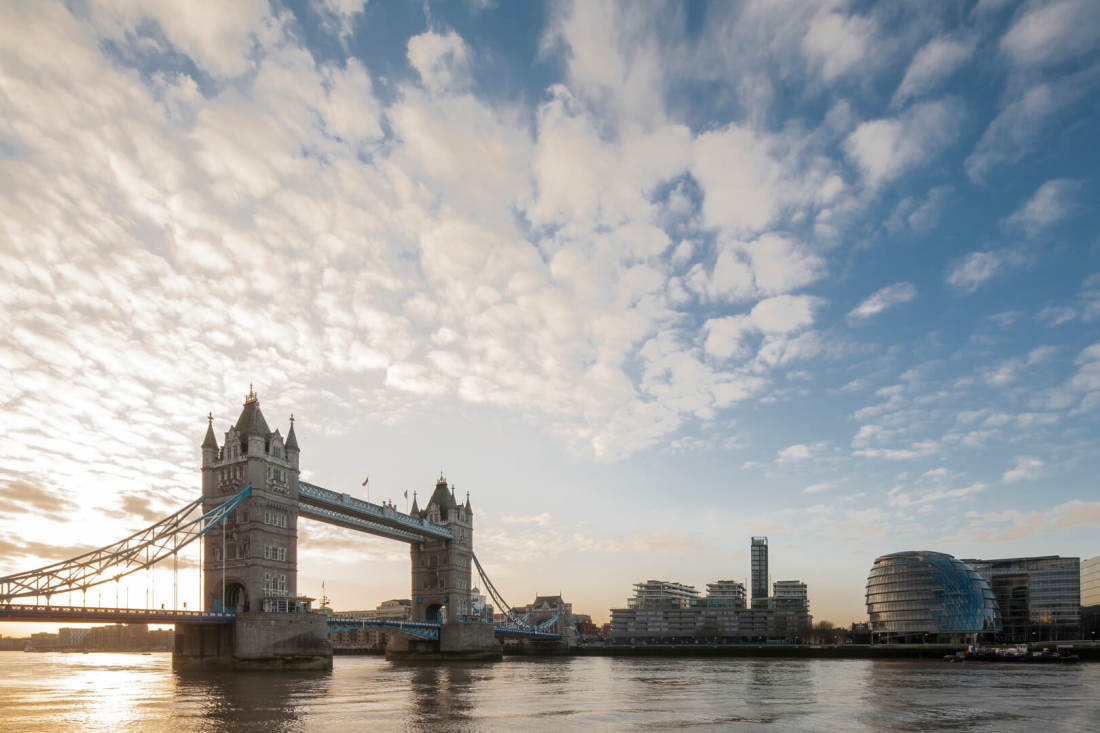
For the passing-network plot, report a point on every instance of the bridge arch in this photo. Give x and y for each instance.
(236, 596)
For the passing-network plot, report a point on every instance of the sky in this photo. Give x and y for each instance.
(645, 279)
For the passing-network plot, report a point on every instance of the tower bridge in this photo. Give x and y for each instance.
(252, 614)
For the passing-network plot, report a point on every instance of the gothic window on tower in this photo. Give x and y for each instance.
(274, 518)
(272, 552)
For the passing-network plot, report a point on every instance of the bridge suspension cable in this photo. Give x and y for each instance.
(138, 551)
(499, 600)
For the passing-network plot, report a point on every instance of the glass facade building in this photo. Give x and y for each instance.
(758, 559)
(1039, 597)
(1090, 581)
(915, 597)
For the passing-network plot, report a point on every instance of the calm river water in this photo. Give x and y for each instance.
(128, 692)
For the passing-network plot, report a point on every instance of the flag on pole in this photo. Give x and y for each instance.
(406, 493)
(366, 480)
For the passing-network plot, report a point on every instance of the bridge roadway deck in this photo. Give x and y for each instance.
(426, 629)
(81, 614)
(345, 510)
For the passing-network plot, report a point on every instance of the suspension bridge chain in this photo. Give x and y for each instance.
(499, 600)
(139, 551)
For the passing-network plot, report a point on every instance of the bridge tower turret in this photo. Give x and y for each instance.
(440, 567)
(253, 566)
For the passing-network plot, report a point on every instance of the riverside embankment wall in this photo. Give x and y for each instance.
(1086, 652)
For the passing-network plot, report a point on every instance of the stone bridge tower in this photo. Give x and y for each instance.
(441, 568)
(261, 535)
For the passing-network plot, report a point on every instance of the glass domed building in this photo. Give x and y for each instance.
(915, 597)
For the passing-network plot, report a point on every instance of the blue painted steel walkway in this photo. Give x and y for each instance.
(428, 630)
(345, 510)
(27, 612)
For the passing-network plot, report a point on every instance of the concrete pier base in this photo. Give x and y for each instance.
(256, 641)
(457, 642)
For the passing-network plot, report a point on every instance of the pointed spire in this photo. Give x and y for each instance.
(251, 421)
(415, 509)
(469, 509)
(442, 497)
(291, 438)
(210, 441)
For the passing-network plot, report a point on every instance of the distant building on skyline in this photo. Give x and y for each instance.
(725, 594)
(1090, 581)
(1090, 598)
(789, 595)
(758, 560)
(915, 597)
(662, 594)
(665, 611)
(1039, 597)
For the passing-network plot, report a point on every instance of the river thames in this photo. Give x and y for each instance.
(134, 692)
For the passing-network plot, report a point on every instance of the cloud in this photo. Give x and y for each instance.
(838, 44)
(820, 486)
(542, 520)
(977, 268)
(1011, 525)
(220, 41)
(793, 453)
(974, 270)
(725, 336)
(886, 148)
(919, 214)
(902, 499)
(1046, 33)
(750, 179)
(917, 449)
(784, 313)
(1009, 370)
(440, 59)
(338, 16)
(728, 336)
(1027, 467)
(1050, 204)
(1053, 315)
(1014, 131)
(883, 299)
(770, 265)
(932, 64)
(19, 493)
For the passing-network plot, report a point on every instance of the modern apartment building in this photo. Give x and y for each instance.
(662, 611)
(790, 595)
(662, 594)
(725, 594)
(1039, 597)
(758, 560)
